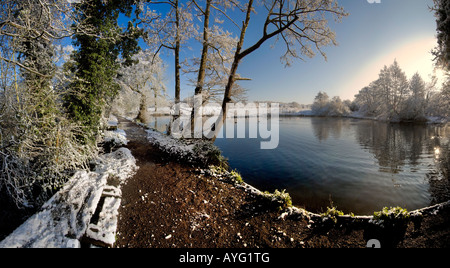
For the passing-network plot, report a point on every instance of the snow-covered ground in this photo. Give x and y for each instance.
(66, 217)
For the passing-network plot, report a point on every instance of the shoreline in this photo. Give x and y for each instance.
(307, 113)
(355, 226)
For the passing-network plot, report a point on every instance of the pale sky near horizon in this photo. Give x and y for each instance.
(373, 35)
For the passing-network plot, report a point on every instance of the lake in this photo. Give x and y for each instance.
(360, 166)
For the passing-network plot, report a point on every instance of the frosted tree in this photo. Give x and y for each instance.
(169, 31)
(369, 100)
(393, 89)
(28, 119)
(399, 89)
(320, 105)
(441, 9)
(301, 26)
(47, 20)
(323, 106)
(417, 87)
(337, 107)
(146, 77)
(218, 48)
(442, 51)
(38, 146)
(416, 103)
(218, 65)
(393, 98)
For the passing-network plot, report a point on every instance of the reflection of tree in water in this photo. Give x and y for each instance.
(397, 145)
(159, 123)
(323, 127)
(440, 179)
(394, 145)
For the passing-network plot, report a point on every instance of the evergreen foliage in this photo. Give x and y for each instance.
(96, 62)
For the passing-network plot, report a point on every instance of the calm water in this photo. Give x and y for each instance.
(361, 165)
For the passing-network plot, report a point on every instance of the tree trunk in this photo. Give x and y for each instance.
(203, 60)
(232, 77)
(177, 56)
(177, 65)
(142, 116)
(156, 100)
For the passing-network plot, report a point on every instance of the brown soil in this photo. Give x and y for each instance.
(173, 205)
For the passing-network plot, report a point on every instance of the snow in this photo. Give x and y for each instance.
(166, 110)
(113, 121)
(214, 109)
(118, 137)
(105, 229)
(297, 113)
(65, 218)
(170, 145)
(437, 120)
(192, 151)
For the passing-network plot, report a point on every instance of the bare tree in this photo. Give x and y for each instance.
(169, 31)
(202, 69)
(302, 26)
(218, 49)
(213, 66)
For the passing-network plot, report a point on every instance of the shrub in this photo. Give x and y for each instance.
(391, 216)
(281, 199)
(332, 213)
(236, 177)
(213, 155)
(389, 226)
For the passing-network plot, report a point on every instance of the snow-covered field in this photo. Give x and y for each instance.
(66, 217)
(286, 109)
(214, 109)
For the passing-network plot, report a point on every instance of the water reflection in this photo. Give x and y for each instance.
(160, 123)
(439, 180)
(399, 148)
(325, 127)
(394, 145)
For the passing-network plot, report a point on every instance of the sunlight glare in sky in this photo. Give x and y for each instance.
(413, 56)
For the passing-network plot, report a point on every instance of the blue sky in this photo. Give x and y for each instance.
(373, 35)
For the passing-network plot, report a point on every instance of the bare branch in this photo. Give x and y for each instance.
(25, 67)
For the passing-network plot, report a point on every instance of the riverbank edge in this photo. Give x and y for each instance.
(438, 120)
